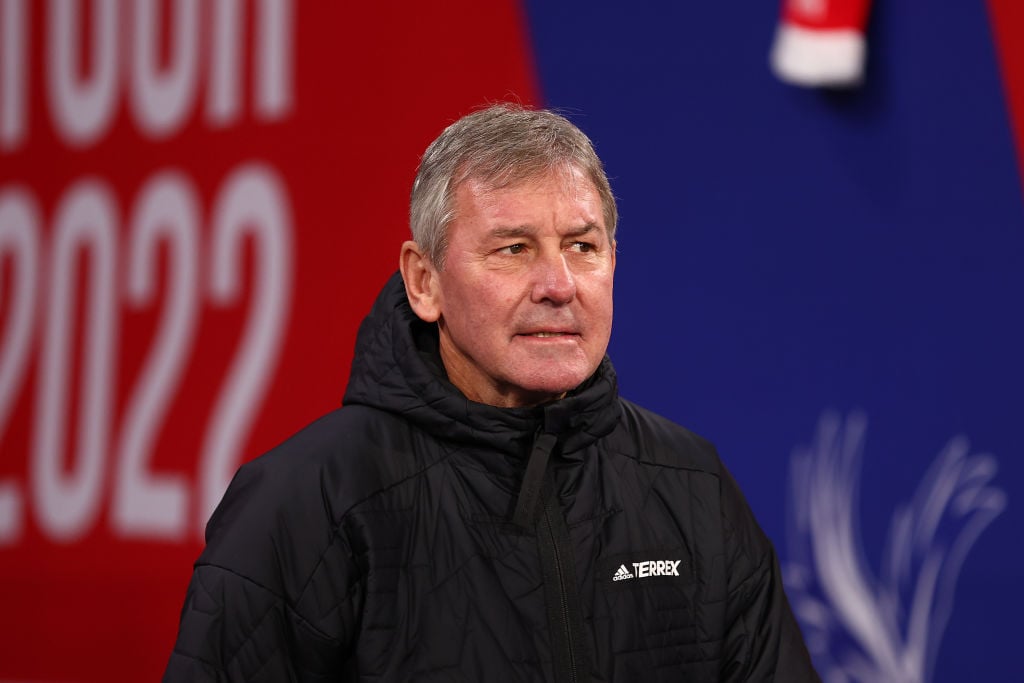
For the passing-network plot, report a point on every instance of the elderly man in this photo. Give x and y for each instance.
(485, 507)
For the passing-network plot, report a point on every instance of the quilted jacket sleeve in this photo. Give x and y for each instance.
(763, 641)
(275, 596)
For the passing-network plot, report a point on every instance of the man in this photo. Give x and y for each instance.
(485, 507)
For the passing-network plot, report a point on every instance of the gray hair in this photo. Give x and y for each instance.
(498, 146)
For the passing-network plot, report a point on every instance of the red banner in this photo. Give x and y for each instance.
(1007, 24)
(198, 202)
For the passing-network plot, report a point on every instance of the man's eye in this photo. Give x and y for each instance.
(582, 247)
(512, 249)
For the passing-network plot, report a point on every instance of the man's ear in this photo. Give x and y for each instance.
(421, 282)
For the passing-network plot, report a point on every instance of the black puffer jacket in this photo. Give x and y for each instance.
(416, 536)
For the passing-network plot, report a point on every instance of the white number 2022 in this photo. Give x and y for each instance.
(66, 498)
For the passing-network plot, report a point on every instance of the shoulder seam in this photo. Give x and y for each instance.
(336, 530)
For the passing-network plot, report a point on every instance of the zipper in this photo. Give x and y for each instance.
(570, 660)
(565, 614)
(563, 599)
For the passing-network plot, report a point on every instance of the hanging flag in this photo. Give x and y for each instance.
(821, 43)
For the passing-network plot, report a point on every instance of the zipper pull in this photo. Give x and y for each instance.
(533, 479)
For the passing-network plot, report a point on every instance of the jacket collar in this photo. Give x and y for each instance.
(397, 368)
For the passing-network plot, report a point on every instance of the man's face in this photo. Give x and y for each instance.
(525, 296)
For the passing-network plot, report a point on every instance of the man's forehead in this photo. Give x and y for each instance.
(573, 184)
(568, 176)
(493, 196)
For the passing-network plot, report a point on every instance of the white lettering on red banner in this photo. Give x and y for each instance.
(82, 105)
(73, 277)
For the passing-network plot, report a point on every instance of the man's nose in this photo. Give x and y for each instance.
(553, 280)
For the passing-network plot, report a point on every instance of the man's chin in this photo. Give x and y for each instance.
(548, 389)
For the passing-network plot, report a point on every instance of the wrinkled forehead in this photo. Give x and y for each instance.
(568, 177)
(565, 176)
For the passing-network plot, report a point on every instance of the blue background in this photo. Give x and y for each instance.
(785, 252)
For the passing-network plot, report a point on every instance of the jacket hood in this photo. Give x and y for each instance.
(397, 368)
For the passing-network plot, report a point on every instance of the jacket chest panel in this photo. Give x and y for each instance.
(438, 578)
(654, 587)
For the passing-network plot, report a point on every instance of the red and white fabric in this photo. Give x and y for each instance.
(821, 43)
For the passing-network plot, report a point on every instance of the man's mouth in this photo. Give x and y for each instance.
(549, 334)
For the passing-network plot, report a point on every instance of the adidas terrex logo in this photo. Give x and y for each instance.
(649, 568)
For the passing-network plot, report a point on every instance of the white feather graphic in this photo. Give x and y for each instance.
(886, 628)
